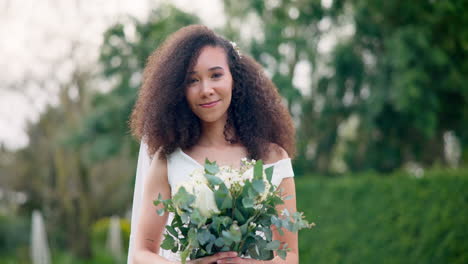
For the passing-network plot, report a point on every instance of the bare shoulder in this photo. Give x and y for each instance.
(275, 153)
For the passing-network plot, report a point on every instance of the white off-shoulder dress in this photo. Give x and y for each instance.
(180, 166)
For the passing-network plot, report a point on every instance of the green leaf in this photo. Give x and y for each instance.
(168, 242)
(258, 170)
(258, 250)
(247, 202)
(268, 233)
(184, 255)
(244, 228)
(216, 224)
(160, 200)
(172, 231)
(226, 221)
(185, 218)
(192, 238)
(182, 199)
(213, 180)
(223, 197)
(211, 167)
(197, 218)
(209, 247)
(232, 235)
(281, 253)
(259, 185)
(203, 236)
(269, 173)
(160, 211)
(219, 242)
(273, 245)
(280, 231)
(238, 216)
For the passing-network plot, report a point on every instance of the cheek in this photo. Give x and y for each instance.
(189, 96)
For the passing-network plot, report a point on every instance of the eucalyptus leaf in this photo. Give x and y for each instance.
(192, 238)
(219, 242)
(184, 255)
(168, 242)
(248, 202)
(223, 197)
(281, 253)
(160, 211)
(269, 173)
(172, 231)
(258, 170)
(197, 218)
(259, 185)
(211, 167)
(203, 236)
(238, 216)
(213, 180)
(209, 247)
(273, 245)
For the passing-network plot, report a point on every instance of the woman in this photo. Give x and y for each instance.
(200, 99)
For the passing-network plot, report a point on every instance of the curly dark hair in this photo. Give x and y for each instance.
(163, 118)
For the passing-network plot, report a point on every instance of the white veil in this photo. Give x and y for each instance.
(143, 165)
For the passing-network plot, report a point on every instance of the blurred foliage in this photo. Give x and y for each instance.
(14, 233)
(80, 163)
(404, 74)
(123, 56)
(401, 72)
(397, 219)
(100, 231)
(360, 219)
(284, 34)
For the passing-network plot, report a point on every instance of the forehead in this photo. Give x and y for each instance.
(211, 56)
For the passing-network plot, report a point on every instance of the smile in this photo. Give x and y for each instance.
(210, 104)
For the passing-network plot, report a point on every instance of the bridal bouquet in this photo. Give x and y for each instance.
(225, 209)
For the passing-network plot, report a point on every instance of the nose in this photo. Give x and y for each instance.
(207, 88)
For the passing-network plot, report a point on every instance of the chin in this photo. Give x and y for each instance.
(210, 118)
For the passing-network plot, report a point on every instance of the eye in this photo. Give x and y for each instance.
(192, 81)
(216, 75)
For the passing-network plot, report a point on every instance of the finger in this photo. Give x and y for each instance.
(221, 255)
(235, 260)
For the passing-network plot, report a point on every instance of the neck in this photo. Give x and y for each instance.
(213, 134)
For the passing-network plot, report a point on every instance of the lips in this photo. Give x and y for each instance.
(210, 104)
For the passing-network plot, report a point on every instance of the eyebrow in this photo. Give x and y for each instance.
(210, 69)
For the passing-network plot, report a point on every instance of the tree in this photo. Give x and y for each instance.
(406, 70)
(123, 56)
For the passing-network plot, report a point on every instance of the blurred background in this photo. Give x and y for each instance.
(378, 91)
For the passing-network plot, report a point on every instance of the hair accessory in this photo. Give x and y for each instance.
(236, 48)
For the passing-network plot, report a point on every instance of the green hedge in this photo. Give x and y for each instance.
(394, 219)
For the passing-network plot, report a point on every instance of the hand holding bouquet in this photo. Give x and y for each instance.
(224, 209)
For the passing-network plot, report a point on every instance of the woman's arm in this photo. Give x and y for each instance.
(151, 226)
(288, 187)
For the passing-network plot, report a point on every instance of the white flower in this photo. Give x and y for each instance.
(198, 177)
(247, 175)
(188, 186)
(205, 201)
(228, 175)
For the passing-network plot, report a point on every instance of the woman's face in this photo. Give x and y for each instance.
(209, 88)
